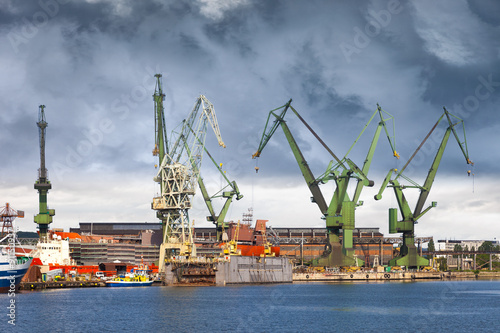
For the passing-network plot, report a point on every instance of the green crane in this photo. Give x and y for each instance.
(161, 141)
(408, 252)
(178, 172)
(43, 185)
(340, 213)
(228, 191)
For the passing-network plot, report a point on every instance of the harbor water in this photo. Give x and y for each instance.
(433, 306)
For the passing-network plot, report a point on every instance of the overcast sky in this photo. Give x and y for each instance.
(91, 63)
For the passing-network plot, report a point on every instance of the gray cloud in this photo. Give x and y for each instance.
(92, 64)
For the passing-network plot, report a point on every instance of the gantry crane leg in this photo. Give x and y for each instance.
(409, 256)
(340, 252)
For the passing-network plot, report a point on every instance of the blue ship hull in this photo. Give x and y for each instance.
(10, 277)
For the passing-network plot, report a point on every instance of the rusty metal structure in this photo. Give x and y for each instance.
(7, 217)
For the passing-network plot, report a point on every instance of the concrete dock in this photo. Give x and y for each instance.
(390, 276)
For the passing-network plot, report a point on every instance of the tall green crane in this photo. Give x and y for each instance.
(339, 214)
(408, 252)
(43, 185)
(161, 141)
(178, 172)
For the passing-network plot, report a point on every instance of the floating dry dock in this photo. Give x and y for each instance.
(236, 270)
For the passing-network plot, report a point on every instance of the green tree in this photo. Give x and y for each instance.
(430, 246)
(483, 259)
(457, 248)
(486, 246)
(442, 265)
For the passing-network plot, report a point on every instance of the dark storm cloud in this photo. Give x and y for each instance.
(92, 63)
(307, 38)
(487, 10)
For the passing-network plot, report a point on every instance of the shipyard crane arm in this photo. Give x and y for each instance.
(192, 135)
(371, 151)
(426, 187)
(344, 169)
(268, 133)
(437, 160)
(196, 124)
(333, 171)
(269, 130)
(409, 256)
(161, 143)
(229, 192)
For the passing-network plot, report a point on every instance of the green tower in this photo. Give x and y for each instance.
(44, 216)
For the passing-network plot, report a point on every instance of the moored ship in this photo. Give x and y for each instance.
(12, 268)
(130, 281)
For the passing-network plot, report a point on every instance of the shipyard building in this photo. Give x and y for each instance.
(97, 242)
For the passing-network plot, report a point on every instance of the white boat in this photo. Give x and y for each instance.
(53, 251)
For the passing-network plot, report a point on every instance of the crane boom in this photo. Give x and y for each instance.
(373, 146)
(218, 220)
(229, 192)
(437, 160)
(196, 123)
(311, 181)
(161, 144)
(266, 136)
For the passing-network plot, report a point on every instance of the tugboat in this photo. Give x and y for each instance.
(130, 281)
(139, 278)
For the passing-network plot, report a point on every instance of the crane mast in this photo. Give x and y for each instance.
(161, 144)
(43, 185)
(339, 213)
(408, 252)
